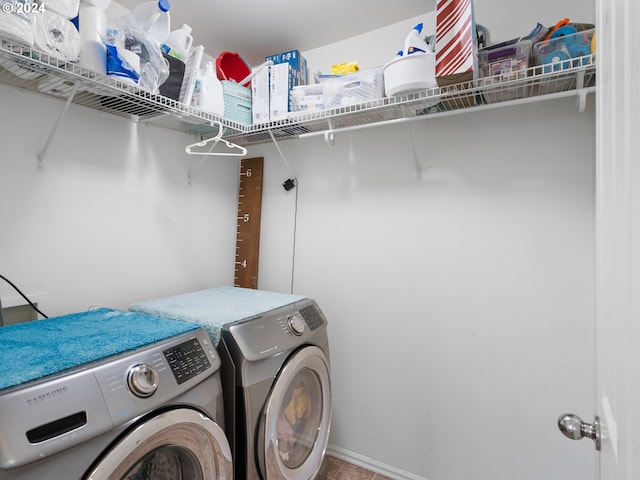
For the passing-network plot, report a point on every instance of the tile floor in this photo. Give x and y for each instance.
(336, 469)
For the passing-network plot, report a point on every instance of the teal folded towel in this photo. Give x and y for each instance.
(29, 351)
(215, 307)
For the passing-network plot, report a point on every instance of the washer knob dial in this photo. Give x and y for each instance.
(295, 324)
(143, 380)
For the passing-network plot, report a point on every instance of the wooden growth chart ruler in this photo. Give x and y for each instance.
(248, 227)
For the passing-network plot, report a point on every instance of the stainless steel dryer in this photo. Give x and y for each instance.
(278, 394)
(108, 395)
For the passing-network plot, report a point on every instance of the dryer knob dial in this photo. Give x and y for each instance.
(143, 380)
(295, 324)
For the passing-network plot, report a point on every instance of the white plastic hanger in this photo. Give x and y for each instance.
(217, 139)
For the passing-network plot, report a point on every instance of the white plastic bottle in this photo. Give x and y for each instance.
(153, 17)
(178, 44)
(414, 43)
(211, 96)
(92, 23)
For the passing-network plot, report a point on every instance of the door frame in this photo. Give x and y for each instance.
(617, 237)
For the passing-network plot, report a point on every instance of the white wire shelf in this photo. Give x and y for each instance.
(29, 69)
(573, 77)
(32, 70)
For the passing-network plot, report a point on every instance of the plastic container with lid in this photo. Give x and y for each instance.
(178, 44)
(153, 18)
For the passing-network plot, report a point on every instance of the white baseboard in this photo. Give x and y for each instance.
(371, 464)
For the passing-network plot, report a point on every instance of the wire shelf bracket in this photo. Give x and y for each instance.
(54, 129)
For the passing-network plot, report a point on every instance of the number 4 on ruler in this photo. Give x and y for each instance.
(248, 226)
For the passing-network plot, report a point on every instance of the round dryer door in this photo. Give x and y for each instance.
(175, 444)
(294, 428)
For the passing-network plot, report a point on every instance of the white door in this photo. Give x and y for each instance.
(618, 238)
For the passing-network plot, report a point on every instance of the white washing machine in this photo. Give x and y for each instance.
(275, 374)
(111, 395)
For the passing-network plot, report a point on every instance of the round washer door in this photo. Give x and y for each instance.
(294, 428)
(175, 444)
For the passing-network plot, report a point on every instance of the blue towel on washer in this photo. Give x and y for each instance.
(29, 351)
(215, 307)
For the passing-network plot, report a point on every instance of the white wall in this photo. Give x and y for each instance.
(460, 305)
(111, 219)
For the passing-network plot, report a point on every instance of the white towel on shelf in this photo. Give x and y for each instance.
(55, 35)
(66, 8)
(16, 25)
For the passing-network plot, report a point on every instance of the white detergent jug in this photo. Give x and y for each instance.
(209, 96)
(178, 44)
(153, 18)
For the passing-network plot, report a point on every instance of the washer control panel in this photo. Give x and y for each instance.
(140, 381)
(187, 360)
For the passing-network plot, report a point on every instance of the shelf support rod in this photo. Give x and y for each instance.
(458, 111)
(416, 161)
(582, 99)
(284, 160)
(45, 147)
(329, 137)
(582, 94)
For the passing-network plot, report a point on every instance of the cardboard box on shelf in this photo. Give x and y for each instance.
(289, 70)
(260, 95)
(281, 82)
(456, 50)
(296, 60)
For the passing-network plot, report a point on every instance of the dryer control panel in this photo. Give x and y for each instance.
(279, 330)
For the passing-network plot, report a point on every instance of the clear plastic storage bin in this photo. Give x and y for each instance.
(358, 87)
(502, 63)
(564, 53)
(307, 98)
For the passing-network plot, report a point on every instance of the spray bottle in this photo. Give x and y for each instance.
(414, 43)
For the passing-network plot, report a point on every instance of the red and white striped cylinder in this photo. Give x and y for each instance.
(455, 37)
